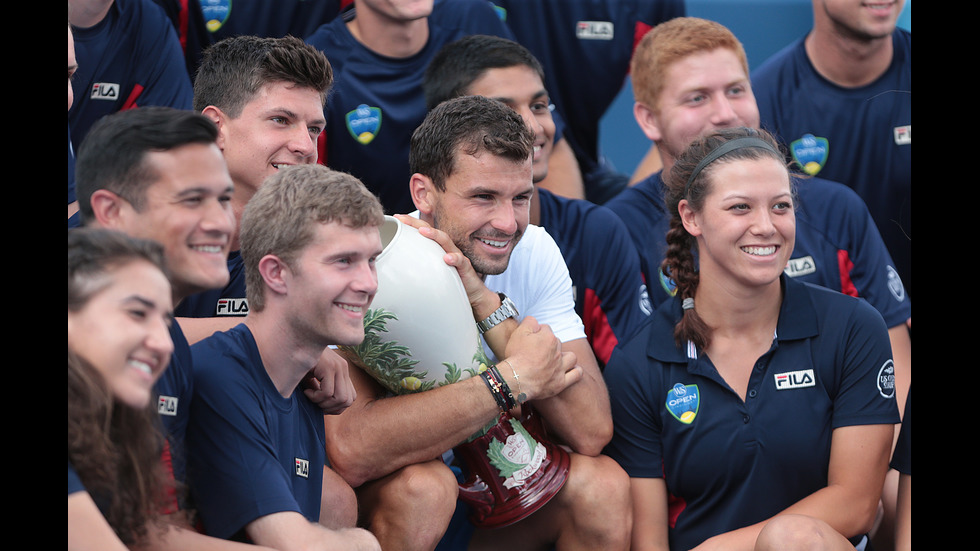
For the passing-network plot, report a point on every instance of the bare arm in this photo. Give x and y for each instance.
(901, 342)
(378, 435)
(564, 175)
(87, 528)
(289, 530)
(579, 415)
(178, 534)
(903, 520)
(649, 514)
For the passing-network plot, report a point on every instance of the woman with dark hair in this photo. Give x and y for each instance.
(119, 311)
(753, 409)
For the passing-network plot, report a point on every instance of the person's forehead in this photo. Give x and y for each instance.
(339, 237)
(704, 66)
(489, 173)
(199, 166)
(287, 96)
(504, 80)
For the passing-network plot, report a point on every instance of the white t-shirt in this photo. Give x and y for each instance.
(537, 281)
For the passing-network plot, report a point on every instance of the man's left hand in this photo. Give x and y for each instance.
(328, 385)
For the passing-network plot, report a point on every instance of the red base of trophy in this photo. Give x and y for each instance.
(511, 471)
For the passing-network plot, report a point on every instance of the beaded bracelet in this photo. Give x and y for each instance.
(498, 388)
(504, 387)
(494, 390)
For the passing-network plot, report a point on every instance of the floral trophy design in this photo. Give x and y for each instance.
(420, 334)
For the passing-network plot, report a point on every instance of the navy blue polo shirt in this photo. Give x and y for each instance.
(731, 462)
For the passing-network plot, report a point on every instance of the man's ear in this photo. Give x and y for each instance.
(109, 209)
(648, 121)
(423, 191)
(275, 273)
(219, 118)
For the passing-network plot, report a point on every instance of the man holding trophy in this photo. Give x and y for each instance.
(472, 162)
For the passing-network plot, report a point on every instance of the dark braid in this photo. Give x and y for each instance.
(680, 264)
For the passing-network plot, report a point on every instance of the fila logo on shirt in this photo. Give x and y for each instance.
(800, 266)
(302, 467)
(903, 135)
(232, 307)
(167, 405)
(794, 379)
(105, 90)
(594, 30)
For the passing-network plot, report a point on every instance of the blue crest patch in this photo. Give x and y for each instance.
(810, 152)
(215, 12)
(683, 402)
(667, 283)
(364, 123)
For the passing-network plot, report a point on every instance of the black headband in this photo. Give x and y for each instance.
(725, 148)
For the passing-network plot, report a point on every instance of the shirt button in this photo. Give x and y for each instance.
(745, 419)
(752, 393)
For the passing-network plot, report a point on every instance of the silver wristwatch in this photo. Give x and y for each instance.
(506, 310)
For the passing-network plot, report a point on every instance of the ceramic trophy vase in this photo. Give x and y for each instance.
(419, 334)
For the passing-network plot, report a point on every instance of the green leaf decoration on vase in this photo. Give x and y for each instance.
(498, 455)
(388, 362)
(392, 365)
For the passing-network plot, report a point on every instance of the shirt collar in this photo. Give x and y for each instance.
(797, 320)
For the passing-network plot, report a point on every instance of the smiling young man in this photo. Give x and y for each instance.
(156, 173)
(610, 295)
(266, 97)
(840, 99)
(473, 183)
(258, 460)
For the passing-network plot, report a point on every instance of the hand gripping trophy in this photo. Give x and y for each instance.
(420, 334)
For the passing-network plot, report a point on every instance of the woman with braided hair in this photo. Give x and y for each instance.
(753, 409)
